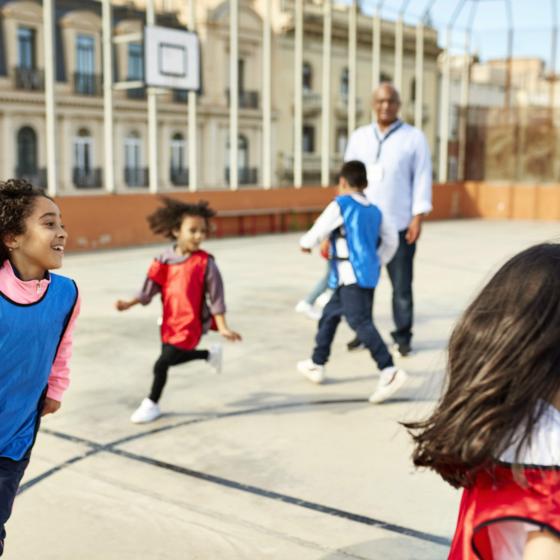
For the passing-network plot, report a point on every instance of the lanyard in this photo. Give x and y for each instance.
(384, 139)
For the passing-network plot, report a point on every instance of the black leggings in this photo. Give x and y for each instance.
(171, 356)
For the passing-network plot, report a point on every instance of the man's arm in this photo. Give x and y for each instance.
(421, 188)
(422, 177)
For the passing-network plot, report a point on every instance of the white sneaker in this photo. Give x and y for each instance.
(146, 412)
(392, 379)
(314, 372)
(215, 357)
(308, 310)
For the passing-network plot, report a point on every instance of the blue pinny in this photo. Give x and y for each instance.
(362, 223)
(30, 335)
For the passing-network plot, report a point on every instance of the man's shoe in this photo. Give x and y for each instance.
(314, 372)
(215, 357)
(146, 412)
(392, 379)
(402, 349)
(355, 344)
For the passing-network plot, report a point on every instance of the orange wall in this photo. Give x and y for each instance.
(108, 221)
(510, 201)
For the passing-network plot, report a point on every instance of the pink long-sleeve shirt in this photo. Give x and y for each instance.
(30, 291)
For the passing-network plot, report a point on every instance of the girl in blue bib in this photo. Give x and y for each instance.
(37, 314)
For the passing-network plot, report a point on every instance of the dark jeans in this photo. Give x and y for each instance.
(400, 272)
(11, 473)
(355, 304)
(171, 356)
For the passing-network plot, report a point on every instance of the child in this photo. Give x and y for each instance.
(496, 430)
(320, 294)
(37, 315)
(361, 242)
(185, 276)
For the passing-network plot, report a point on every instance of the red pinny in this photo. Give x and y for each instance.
(499, 497)
(182, 294)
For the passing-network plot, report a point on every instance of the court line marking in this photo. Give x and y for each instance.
(111, 448)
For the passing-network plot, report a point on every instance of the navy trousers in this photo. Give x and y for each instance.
(355, 304)
(11, 473)
(400, 273)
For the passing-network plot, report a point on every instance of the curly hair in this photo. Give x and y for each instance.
(170, 216)
(503, 364)
(17, 199)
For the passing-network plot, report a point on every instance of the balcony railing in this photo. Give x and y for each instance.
(86, 178)
(37, 177)
(312, 101)
(136, 176)
(87, 84)
(136, 93)
(29, 79)
(246, 175)
(179, 177)
(342, 105)
(180, 95)
(247, 99)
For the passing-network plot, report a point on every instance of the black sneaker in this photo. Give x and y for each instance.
(355, 344)
(402, 349)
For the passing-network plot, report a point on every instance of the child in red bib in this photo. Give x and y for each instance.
(192, 296)
(496, 431)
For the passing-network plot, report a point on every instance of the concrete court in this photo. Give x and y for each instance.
(256, 463)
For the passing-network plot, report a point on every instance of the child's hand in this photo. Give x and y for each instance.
(122, 305)
(229, 334)
(50, 406)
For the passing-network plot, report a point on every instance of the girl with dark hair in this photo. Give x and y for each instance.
(38, 310)
(496, 430)
(192, 295)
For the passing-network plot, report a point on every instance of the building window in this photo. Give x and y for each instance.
(26, 152)
(135, 62)
(177, 152)
(344, 82)
(83, 152)
(85, 54)
(178, 172)
(308, 140)
(85, 65)
(26, 48)
(135, 175)
(341, 140)
(307, 77)
(241, 75)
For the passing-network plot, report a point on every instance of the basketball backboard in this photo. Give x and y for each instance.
(172, 58)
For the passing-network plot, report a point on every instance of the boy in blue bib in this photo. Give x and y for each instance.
(361, 242)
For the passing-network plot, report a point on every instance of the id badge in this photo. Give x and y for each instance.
(375, 172)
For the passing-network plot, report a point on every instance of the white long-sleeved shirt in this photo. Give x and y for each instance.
(330, 220)
(403, 187)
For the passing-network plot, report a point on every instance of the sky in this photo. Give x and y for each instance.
(532, 21)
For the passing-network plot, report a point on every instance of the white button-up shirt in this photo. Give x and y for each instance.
(330, 220)
(399, 169)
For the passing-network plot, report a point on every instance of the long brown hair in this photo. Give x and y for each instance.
(504, 361)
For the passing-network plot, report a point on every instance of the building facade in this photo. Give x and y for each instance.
(79, 96)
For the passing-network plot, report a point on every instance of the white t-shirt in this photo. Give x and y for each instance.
(508, 538)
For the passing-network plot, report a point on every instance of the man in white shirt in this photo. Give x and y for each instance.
(399, 169)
